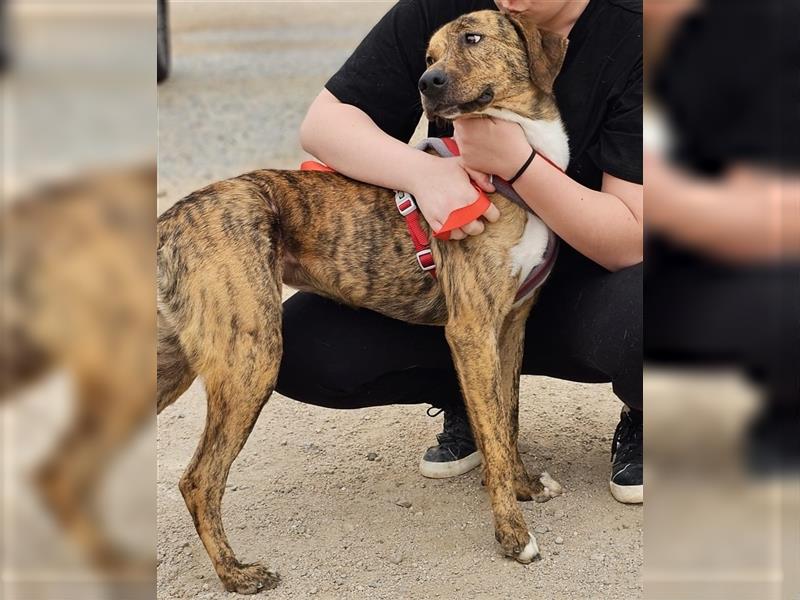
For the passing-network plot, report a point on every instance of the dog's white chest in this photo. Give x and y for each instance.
(529, 250)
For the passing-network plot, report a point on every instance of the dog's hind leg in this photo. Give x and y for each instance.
(219, 288)
(237, 391)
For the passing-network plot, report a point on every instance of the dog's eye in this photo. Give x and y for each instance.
(429, 60)
(472, 38)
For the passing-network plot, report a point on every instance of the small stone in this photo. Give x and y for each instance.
(372, 456)
(541, 529)
(360, 588)
(318, 430)
(313, 591)
(205, 586)
(284, 442)
(418, 513)
(180, 415)
(559, 540)
(403, 503)
(422, 485)
(235, 488)
(556, 552)
(379, 459)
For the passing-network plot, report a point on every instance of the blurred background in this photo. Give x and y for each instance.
(77, 327)
(722, 299)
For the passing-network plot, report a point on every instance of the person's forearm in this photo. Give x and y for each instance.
(597, 224)
(346, 139)
(735, 220)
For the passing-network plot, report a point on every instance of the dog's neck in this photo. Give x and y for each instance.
(545, 131)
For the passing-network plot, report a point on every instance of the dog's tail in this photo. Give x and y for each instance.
(219, 285)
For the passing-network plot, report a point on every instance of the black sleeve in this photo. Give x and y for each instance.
(618, 150)
(380, 77)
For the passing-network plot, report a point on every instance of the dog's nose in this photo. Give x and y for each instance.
(432, 83)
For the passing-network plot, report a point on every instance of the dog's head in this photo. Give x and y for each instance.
(487, 59)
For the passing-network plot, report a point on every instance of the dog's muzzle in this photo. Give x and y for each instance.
(433, 83)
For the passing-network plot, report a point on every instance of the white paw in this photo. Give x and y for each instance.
(551, 487)
(530, 551)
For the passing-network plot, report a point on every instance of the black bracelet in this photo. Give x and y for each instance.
(523, 167)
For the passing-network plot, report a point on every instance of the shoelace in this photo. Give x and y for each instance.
(628, 431)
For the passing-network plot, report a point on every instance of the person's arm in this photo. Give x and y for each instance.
(746, 216)
(360, 123)
(605, 225)
(346, 139)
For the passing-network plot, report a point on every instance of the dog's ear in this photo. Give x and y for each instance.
(546, 52)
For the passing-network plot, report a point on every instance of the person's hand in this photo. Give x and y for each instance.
(444, 186)
(490, 145)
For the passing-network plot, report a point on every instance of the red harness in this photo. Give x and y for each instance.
(410, 212)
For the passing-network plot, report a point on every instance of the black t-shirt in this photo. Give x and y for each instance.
(599, 89)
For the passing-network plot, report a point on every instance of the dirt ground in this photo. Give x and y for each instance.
(303, 496)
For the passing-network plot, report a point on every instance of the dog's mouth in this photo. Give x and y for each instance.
(452, 111)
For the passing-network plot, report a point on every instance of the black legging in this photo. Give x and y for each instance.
(586, 327)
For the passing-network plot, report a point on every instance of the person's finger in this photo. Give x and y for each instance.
(457, 234)
(492, 214)
(473, 228)
(482, 179)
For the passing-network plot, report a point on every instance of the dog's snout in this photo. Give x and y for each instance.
(432, 83)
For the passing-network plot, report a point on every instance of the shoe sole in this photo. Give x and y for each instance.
(443, 470)
(627, 494)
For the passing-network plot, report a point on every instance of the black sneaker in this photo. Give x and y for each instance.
(627, 482)
(456, 453)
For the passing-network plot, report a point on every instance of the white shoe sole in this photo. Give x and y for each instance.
(437, 470)
(627, 494)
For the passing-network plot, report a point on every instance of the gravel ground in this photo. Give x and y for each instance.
(306, 496)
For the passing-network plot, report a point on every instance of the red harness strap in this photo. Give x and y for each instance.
(408, 208)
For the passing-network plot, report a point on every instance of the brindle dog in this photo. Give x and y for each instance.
(225, 250)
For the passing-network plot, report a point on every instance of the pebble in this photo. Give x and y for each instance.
(372, 456)
(205, 586)
(542, 529)
(418, 513)
(403, 503)
(559, 540)
(313, 591)
(395, 559)
(284, 442)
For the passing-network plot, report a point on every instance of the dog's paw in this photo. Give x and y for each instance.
(249, 579)
(550, 488)
(517, 543)
(522, 548)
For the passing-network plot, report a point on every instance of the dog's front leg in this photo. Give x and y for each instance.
(477, 360)
(511, 343)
